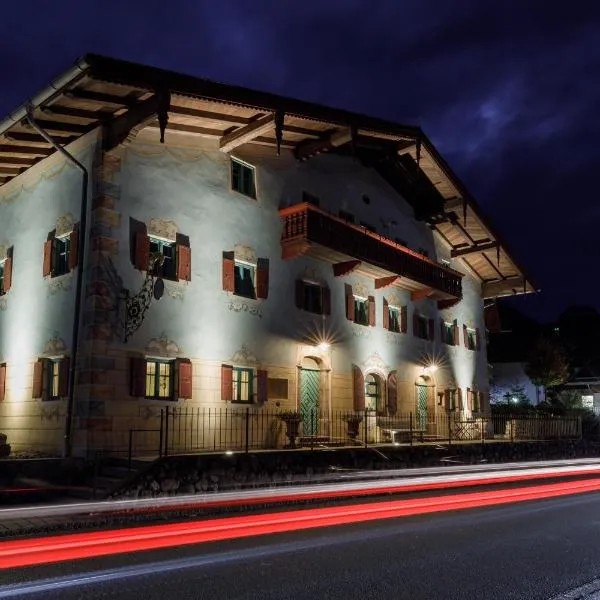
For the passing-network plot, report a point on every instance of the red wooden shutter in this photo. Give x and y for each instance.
(415, 323)
(63, 377)
(460, 398)
(184, 378)
(74, 247)
(469, 399)
(431, 331)
(228, 272)
(184, 262)
(262, 385)
(137, 381)
(465, 336)
(455, 331)
(7, 274)
(38, 377)
(142, 251)
(326, 300)
(477, 339)
(2, 381)
(404, 319)
(392, 393)
(349, 304)
(371, 311)
(358, 388)
(386, 314)
(47, 267)
(262, 278)
(299, 293)
(226, 382)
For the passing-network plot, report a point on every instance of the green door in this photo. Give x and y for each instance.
(422, 396)
(310, 384)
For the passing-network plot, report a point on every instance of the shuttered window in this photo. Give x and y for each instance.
(159, 379)
(244, 279)
(61, 248)
(394, 319)
(242, 380)
(166, 250)
(243, 178)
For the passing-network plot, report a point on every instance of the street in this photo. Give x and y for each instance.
(536, 549)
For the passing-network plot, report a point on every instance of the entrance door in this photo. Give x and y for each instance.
(422, 396)
(310, 384)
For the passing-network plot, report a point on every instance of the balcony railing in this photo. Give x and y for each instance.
(309, 224)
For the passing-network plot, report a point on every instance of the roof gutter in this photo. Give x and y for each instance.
(55, 87)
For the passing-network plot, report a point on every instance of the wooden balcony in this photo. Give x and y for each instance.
(309, 230)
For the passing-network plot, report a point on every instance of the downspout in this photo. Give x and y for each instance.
(68, 441)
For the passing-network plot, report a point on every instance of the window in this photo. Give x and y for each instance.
(53, 379)
(159, 379)
(278, 388)
(369, 227)
(448, 333)
(347, 216)
(61, 250)
(245, 276)
(242, 178)
(313, 298)
(310, 199)
(165, 249)
(372, 393)
(471, 341)
(475, 401)
(451, 399)
(422, 327)
(394, 322)
(242, 380)
(361, 310)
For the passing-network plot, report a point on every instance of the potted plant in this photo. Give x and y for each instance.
(292, 420)
(353, 421)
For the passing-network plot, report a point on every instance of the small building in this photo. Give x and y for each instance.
(229, 250)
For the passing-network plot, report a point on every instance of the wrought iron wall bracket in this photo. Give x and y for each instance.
(136, 306)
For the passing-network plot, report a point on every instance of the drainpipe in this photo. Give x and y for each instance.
(68, 442)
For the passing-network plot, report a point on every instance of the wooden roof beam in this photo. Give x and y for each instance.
(477, 247)
(79, 113)
(27, 150)
(309, 148)
(19, 162)
(101, 98)
(59, 126)
(184, 111)
(246, 134)
(505, 287)
(20, 136)
(10, 171)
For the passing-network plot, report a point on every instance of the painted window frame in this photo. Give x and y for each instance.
(237, 382)
(157, 378)
(241, 164)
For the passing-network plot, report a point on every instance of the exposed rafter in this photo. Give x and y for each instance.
(79, 113)
(9, 171)
(477, 247)
(185, 111)
(101, 98)
(504, 287)
(60, 126)
(246, 134)
(27, 150)
(13, 160)
(309, 148)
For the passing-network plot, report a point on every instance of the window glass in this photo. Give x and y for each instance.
(449, 333)
(242, 384)
(471, 339)
(245, 275)
(422, 327)
(313, 298)
(372, 392)
(61, 249)
(394, 320)
(159, 379)
(167, 251)
(242, 178)
(361, 311)
(53, 378)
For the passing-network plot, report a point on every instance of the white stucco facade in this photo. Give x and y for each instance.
(183, 188)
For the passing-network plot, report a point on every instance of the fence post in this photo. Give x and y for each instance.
(410, 427)
(167, 431)
(247, 427)
(366, 440)
(482, 431)
(160, 435)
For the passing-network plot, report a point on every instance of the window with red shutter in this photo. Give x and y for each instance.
(404, 319)
(137, 377)
(184, 262)
(38, 378)
(349, 303)
(386, 314)
(142, 251)
(228, 272)
(262, 278)
(358, 388)
(74, 247)
(371, 301)
(226, 382)
(456, 335)
(2, 381)
(184, 378)
(47, 265)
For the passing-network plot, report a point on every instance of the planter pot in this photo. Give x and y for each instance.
(291, 431)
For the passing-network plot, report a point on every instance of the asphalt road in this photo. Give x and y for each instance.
(534, 550)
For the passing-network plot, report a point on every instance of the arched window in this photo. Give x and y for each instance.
(374, 394)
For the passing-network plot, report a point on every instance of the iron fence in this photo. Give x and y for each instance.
(201, 429)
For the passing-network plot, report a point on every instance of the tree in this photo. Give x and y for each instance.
(547, 365)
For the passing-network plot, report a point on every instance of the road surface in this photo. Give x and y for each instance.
(539, 549)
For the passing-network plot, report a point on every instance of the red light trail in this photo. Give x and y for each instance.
(20, 553)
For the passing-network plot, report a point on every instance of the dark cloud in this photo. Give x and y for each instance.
(508, 90)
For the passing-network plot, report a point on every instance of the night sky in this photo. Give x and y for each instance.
(508, 90)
